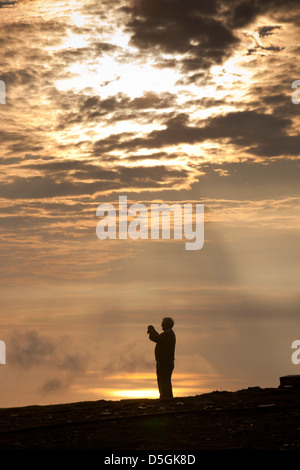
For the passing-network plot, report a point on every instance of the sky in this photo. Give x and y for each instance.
(162, 101)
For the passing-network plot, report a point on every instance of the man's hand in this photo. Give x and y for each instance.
(150, 328)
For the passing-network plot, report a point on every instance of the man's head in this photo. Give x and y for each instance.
(167, 323)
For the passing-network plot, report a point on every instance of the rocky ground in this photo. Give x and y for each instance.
(251, 419)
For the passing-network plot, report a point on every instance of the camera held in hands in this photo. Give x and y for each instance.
(150, 328)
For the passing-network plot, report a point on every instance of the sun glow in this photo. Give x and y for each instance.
(152, 393)
(109, 77)
(147, 393)
(143, 385)
(109, 71)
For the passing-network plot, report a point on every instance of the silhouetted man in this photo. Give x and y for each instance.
(164, 355)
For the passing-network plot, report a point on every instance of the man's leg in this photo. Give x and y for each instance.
(164, 374)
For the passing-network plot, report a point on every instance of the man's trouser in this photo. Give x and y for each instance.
(164, 373)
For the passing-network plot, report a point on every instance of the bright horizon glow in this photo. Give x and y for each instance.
(143, 385)
(148, 393)
(151, 393)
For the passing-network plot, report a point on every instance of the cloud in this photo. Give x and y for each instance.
(194, 29)
(7, 4)
(94, 109)
(267, 30)
(75, 177)
(33, 352)
(52, 385)
(248, 180)
(193, 36)
(258, 133)
(130, 357)
(31, 349)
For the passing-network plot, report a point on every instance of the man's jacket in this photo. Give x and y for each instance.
(165, 345)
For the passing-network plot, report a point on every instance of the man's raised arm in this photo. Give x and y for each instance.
(153, 335)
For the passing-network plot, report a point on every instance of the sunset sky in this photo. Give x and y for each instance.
(162, 101)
